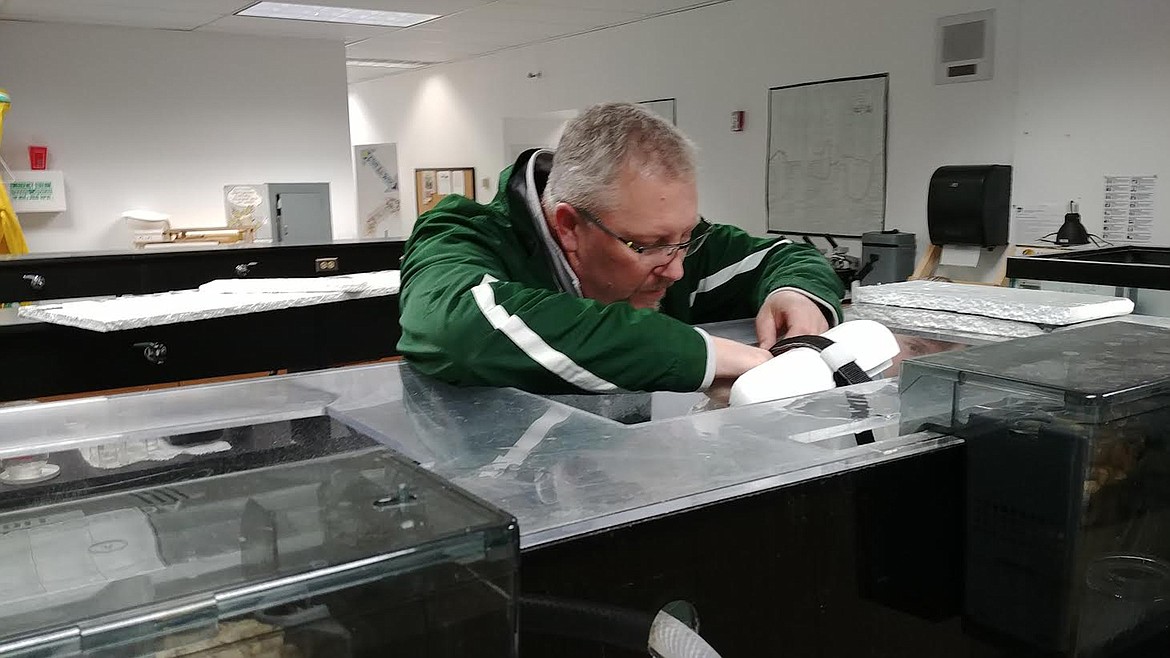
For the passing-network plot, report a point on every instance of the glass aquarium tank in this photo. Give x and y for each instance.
(288, 536)
(1067, 483)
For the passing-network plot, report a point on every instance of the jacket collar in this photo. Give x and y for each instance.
(525, 185)
(516, 188)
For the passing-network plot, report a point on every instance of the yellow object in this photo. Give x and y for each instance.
(11, 235)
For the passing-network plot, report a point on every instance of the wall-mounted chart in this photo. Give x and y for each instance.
(379, 203)
(827, 157)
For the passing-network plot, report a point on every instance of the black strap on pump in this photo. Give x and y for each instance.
(849, 373)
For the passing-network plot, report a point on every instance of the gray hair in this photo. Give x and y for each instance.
(604, 140)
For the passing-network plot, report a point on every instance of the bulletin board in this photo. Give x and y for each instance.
(431, 185)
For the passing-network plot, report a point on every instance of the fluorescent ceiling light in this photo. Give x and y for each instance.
(295, 12)
(387, 63)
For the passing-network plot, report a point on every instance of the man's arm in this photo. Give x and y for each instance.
(463, 321)
(733, 273)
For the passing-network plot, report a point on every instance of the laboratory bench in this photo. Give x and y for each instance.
(1128, 266)
(1138, 272)
(55, 360)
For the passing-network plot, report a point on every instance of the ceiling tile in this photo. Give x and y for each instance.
(203, 6)
(494, 31)
(504, 24)
(417, 46)
(466, 27)
(646, 7)
(301, 29)
(441, 7)
(572, 16)
(190, 6)
(103, 13)
(483, 30)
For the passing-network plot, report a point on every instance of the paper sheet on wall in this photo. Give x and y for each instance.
(457, 186)
(1129, 209)
(444, 182)
(1037, 224)
(428, 186)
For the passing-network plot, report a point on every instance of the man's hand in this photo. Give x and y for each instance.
(732, 359)
(788, 313)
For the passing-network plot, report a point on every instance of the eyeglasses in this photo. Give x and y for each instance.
(659, 254)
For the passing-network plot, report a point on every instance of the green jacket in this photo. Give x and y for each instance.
(481, 303)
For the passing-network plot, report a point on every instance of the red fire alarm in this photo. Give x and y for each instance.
(38, 157)
(737, 120)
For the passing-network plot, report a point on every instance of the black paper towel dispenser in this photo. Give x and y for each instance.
(969, 204)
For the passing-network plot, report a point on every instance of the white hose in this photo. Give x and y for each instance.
(670, 638)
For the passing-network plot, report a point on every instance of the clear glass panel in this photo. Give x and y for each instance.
(298, 533)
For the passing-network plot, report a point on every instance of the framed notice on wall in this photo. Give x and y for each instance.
(431, 185)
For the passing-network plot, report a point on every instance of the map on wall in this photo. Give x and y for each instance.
(827, 157)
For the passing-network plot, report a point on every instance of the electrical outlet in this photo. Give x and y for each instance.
(327, 265)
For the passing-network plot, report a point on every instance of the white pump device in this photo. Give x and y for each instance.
(846, 354)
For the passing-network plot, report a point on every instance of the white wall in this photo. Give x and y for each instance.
(714, 61)
(163, 120)
(1080, 91)
(1094, 102)
(523, 133)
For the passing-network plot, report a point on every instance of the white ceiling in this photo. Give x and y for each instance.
(467, 28)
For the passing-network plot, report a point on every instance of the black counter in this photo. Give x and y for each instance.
(1126, 267)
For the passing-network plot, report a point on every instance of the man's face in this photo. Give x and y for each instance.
(651, 210)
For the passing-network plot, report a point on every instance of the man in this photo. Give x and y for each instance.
(587, 270)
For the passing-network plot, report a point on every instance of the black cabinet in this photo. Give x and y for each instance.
(42, 279)
(37, 277)
(186, 270)
(45, 360)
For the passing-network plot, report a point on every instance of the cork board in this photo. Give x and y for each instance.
(431, 185)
